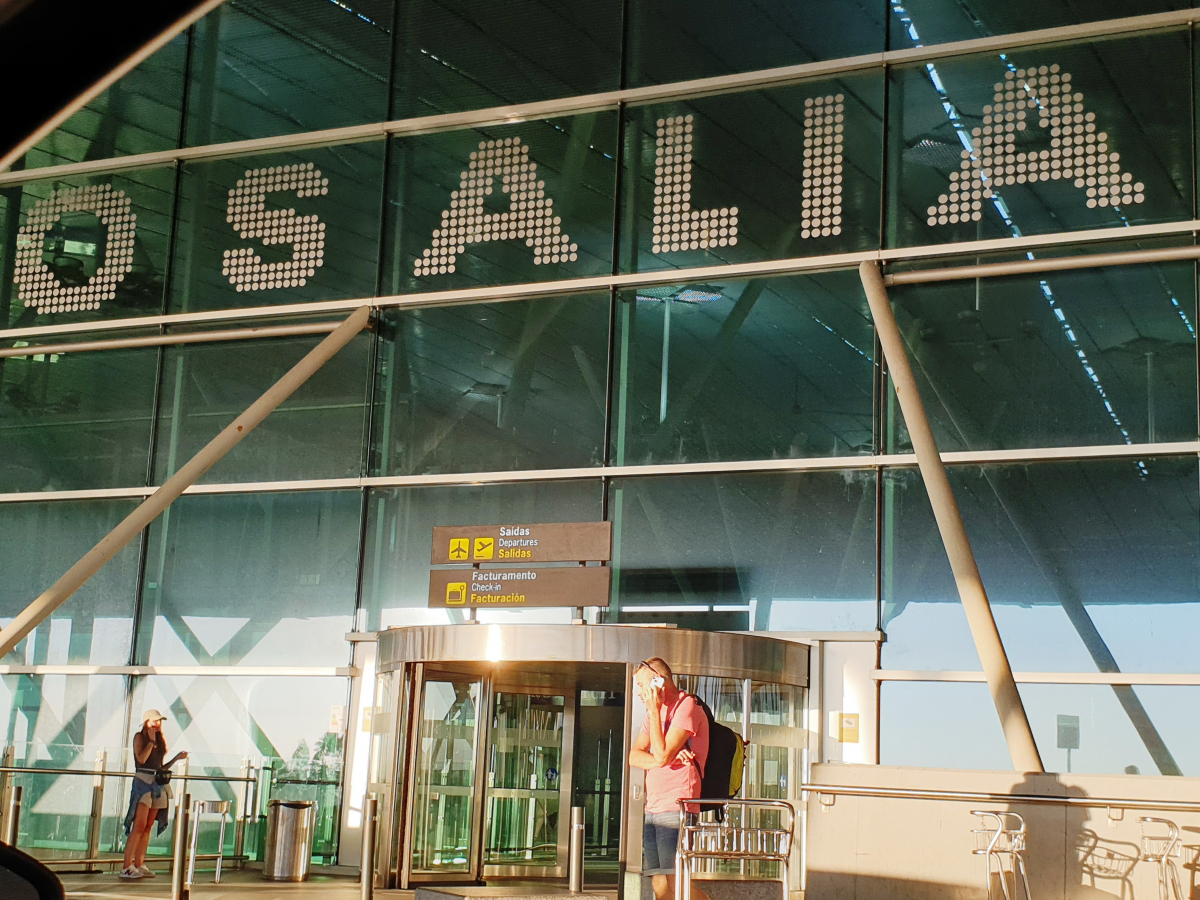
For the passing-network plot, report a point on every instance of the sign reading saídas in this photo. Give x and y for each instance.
(512, 543)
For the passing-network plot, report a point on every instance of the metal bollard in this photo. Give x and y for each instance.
(97, 815)
(575, 853)
(242, 813)
(12, 815)
(179, 848)
(367, 862)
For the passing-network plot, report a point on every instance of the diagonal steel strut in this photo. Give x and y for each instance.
(150, 508)
(1003, 687)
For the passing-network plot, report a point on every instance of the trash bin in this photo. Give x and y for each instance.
(290, 827)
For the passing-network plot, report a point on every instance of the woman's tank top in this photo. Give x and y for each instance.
(157, 754)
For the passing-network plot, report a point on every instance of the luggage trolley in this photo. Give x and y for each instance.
(1163, 849)
(1003, 834)
(745, 840)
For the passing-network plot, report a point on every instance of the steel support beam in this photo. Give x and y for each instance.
(1003, 687)
(133, 524)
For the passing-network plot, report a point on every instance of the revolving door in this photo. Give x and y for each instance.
(493, 733)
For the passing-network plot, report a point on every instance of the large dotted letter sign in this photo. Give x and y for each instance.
(247, 212)
(530, 213)
(38, 286)
(1078, 152)
(676, 225)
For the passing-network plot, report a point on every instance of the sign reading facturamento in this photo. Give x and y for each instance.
(508, 543)
(520, 587)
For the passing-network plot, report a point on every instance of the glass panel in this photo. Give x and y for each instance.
(1099, 356)
(940, 725)
(318, 432)
(444, 792)
(674, 40)
(1090, 566)
(456, 55)
(138, 114)
(792, 171)
(517, 203)
(251, 580)
(1091, 137)
(757, 369)
(85, 248)
(518, 385)
(41, 541)
(75, 421)
(918, 22)
(400, 533)
(955, 726)
(524, 770)
(780, 552)
(286, 724)
(723, 696)
(62, 722)
(268, 67)
(600, 724)
(278, 229)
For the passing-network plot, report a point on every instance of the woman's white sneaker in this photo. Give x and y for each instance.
(146, 871)
(131, 873)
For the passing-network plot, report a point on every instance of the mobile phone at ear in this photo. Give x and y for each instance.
(657, 681)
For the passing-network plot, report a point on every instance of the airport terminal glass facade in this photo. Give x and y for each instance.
(631, 298)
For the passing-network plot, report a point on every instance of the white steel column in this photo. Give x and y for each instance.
(1017, 733)
(150, 508)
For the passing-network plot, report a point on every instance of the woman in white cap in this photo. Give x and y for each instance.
(151, 794)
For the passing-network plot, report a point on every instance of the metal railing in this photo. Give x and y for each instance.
(743, 840)
(833, 790)
(10, 805)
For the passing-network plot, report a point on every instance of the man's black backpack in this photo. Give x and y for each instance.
(721, 776)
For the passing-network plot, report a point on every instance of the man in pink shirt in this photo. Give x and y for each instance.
(673, 748)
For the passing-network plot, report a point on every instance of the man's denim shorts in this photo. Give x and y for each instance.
(660, 841)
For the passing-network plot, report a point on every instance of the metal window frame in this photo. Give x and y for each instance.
(1168, 679)
(606, 100)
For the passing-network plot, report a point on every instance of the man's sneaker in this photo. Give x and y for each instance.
(146, 871)
(131, 873)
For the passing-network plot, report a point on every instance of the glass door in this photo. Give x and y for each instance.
(526, 778)
(444, 781)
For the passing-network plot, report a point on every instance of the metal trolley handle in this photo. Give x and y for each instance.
(699, 840)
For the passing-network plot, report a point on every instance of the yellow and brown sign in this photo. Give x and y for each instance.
(519, 544)
(514, 588)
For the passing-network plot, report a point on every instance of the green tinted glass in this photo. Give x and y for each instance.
(1048, 139)
(278, 229)
(517, 203)
(41, 541)
(791, 171)
(267, 67)
(518, 385)
(459, 55)
(76, 421)
(251, 580)
(772, 367)
(318, 432)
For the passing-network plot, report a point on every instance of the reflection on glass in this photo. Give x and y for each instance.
(791, 171)
(400, 528)
(524, 780)
(318, 432)
(1089, 566)
(1101, 356)
(781, 552)
(517, 385)
(599, 769)
(1054, 132)
(515, 203)
(445, 776)
(768, 368)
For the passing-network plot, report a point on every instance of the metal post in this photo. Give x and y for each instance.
(6, 759)
(12, 815)
(1017, 733)
(96, 819)
(243, 813)
(146, 512)
(575, 852)
(179, 848)
(367, 861)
